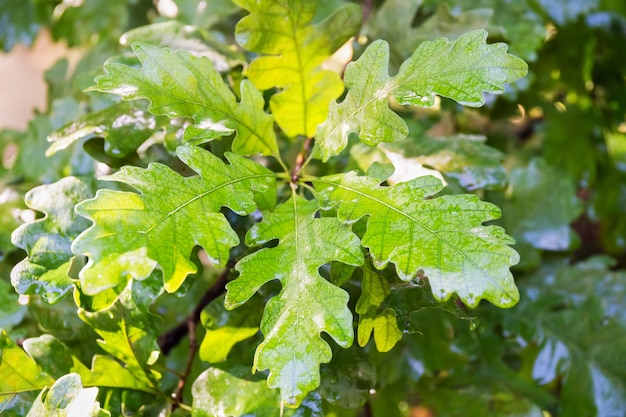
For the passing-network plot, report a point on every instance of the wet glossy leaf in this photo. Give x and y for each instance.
(129, 331)
(159, 226)
(574, 334)
(212, 395)
(307, 304)
(536, 216)
(123, 126)
(465, 160)
(443, 237)
(348, 378)
(67, 398)
(47, 241)
(226, 328)
(178, 36)
(196, 92)
(461, 70)
(394, 22)
(283, 30)
(18, 372)
(518, 22)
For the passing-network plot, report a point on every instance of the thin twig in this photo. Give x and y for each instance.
(173, 337)
(302, 156)
(367, 8)
(367, 409)
(193, 347)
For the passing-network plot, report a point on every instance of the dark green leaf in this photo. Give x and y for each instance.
(20, 21)
(465, 160)
(226, 328)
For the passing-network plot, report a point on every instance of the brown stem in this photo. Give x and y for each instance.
(173, 337)
(367, 8)
(193, 347)
(367, 410)
(295, 173)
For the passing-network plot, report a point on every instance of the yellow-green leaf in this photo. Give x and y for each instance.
(295, 50)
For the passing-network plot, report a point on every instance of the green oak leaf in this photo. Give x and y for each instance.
(536, 216)
(443, 237)
(179, 84)
(226, 328)
(463, 160)
(47, 241)
(21, 21)
(11, 311)
(204, 15)
(307, 304)
(348, 378)
(519, 22)
(10, 205)
(213, 395)
(571, 327)
(50, 353)
(133, 232)
(282, 29)
(124, 127)
(129, 333)
(67, 398)
(461, 70)
(18, 372)
(374, 290)
(179, 36)
(394, 22)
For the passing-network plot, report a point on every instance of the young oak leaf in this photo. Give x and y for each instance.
(442, 236)
(48, 240)
(179, 84)
(461, 70)
(171, 215)
(374, 290)
(283, 30)
(307, 304)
